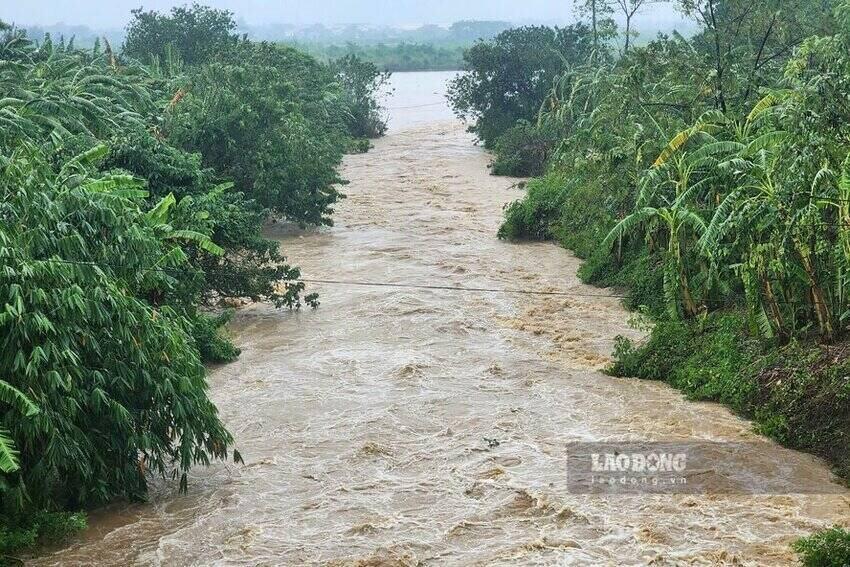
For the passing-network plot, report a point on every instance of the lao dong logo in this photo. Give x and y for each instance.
(638, 463)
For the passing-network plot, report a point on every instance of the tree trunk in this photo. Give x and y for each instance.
(688, 302)
(773, 308)
(718, 57)
(595, 29)
(822, 311)
(628, 33)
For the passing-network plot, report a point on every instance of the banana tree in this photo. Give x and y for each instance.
(680, 226)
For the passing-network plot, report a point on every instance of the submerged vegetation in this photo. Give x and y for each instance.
(135, 185)
(709, 177)
(830, 548)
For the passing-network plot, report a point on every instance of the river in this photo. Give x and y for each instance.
(414, 426)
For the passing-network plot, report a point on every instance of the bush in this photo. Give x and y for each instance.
(577, 208)
(212, 344)
(532, 217)
(508, 78)
(196, 33)
(524, 150)
(362, 83)
(246, 117)
(829, 548)
(41, 528)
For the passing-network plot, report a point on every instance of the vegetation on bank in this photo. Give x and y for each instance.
(709, 177)
(830, 548)
(394, 57)
(134, 189)
(426, 48)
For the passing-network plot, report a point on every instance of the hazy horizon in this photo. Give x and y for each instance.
(111, 15)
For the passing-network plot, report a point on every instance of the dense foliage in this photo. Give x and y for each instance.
(507, 79)
(132, 199)
(363, 86)
(270, 119)
(734, 189)
(735, 207)
(710, 177)
(830, 548)
(394, 57)
(196, 33)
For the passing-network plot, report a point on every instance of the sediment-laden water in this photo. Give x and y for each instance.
(404, 426)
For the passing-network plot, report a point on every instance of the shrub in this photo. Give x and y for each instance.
(197, 33)
(508, 78)
(41, 528)
(524, 150)
(272, 120)
(532, 217)
(362, 83)
(829, 548)
(212, 344)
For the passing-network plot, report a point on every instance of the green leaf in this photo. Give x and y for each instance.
(159, 214)
(17, 399)
(8, 454)
(201, 240)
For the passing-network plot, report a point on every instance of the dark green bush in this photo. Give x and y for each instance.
(532, 217)
(40, 528)
(196, 33)
(213, 345)
(524, 150)
(362, 83)
(829, 548)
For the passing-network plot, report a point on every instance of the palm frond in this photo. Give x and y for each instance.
(628, 224)
(8, 453)
(17, 399)
(201, 240)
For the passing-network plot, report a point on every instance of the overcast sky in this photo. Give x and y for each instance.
(115, 13)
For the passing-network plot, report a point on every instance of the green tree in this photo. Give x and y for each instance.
(272, 120)
(362, 83)
(90, 338)
(748, 42)
(508, 79)
(196, 32)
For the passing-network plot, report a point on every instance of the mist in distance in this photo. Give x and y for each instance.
(114, 14)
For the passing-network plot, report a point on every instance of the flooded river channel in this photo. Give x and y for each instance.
(420, 426)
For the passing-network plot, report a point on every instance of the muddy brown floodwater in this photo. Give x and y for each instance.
(365, 424)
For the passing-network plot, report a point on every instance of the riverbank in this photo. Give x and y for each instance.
(795, 393)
